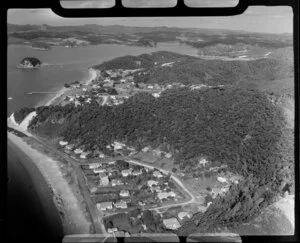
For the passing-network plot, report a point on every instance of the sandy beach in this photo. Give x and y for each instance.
(73, 219)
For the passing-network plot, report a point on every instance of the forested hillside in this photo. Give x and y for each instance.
(237, 127)
(192, 70)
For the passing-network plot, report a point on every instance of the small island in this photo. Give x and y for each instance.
(29, 63)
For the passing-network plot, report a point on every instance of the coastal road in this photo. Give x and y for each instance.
(94, 212)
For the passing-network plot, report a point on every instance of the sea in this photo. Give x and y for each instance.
(30, 210)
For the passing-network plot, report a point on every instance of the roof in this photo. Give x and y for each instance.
(104, 204)
(171, 223)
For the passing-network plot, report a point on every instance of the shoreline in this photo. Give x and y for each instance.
(91, 75)
(43, 192)
(66, 203)
(68, 206)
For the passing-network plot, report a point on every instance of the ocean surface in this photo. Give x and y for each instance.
(30, 207)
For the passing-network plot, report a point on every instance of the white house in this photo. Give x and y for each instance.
(104, 206)
(126, 173)
(84, 155)
(63, 143)
(78, 151)
(182, 215)
(221, 179)
(163, 195)
(94, 165)
(137, 172)
(151, 183)
(121, 204)
(101, 155)
(171, 223)
(124, 193)
(157, 174)
(99, 170)
(146, 149)
(168, 155)
(70, 146)
(156, 95)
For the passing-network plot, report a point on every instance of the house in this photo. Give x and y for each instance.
(111, 162)
(120, 204)
(203, 162)
(150, 87)
(221, 179)
(99, 170)
(171, 223)
(84, 155)
(78, 151)
(168, 155)
(70, 147)
(63, 143)
(155, 95)
(115, 182)
(157, 174)
(104, 181)
(101, 155)
(182, 215)
(94, 165)
(164, 195)
(84, 89)
(155, 189)
(111, 230)
(146, 149)
(104, 206)
(125, 173)
(151, 183)
(124, 193)
(137, 172)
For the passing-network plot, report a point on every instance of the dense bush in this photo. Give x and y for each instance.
(20, 114)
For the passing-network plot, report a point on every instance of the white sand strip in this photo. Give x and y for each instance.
(74, 220)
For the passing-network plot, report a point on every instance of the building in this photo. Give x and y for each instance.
(70, 147)
(94, 165)
(126, 173)
(203, 162)
(183, 215)
(104, 181)
(221, 179)
(84, 155)
(155, 189)
(104, 206)
(124, 193)
(171, 223)
(111, 230)
(63, 143)
(99, 170)
(78, 151)
(157, 174)
(151, 183)
(121, 204)
(146, 149)
(115, 182)
(168, 155)
(156, 95)
(157, 152)
(101, 155)
(137, 172)
(164, 195)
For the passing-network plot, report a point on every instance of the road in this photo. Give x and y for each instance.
(91, 207)
(94, 212)
(130, 160)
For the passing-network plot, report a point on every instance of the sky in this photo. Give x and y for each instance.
(264, 19)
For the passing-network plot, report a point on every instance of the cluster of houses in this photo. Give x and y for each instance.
(175, 222)
(79, 151)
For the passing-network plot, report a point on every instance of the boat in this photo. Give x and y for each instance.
(10, 98)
